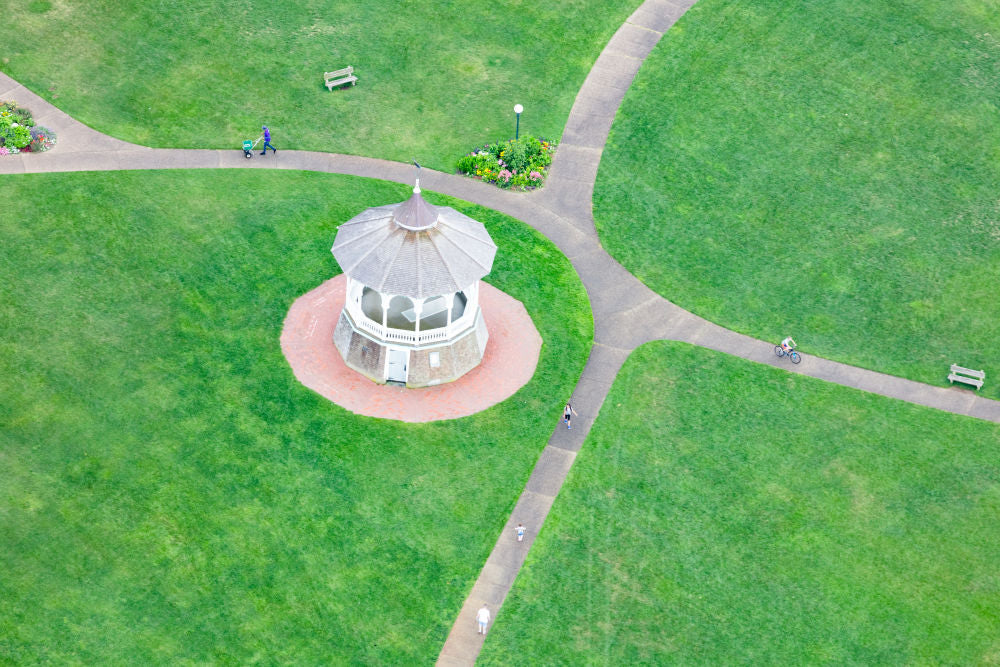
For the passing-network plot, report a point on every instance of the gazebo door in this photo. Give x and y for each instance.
(398, 361)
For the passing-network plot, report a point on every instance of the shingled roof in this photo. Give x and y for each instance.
(414, 249)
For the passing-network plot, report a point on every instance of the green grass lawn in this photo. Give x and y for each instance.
(435, 78)
(171, 494)
(723, 512)
(826, 169)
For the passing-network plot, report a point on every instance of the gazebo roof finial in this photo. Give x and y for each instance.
(415, 214)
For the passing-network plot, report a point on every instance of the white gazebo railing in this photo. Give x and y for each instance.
(390, 335)
(420, 310)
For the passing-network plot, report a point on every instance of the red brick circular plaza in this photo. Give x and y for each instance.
(509, 362)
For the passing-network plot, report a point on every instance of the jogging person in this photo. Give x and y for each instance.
(568, 413)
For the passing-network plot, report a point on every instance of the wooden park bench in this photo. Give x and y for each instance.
(339, 78)
(967, 375)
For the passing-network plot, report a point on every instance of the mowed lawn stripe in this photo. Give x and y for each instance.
(724, 512)
(171, 493)
(825, 170)
(435, 79)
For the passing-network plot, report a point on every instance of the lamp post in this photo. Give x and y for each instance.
(517, 128)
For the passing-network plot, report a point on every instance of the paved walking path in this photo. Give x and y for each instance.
(626, 312)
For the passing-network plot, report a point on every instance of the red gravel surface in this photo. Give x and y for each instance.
(510, 360)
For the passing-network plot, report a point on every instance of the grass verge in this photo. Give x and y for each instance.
(825, 169)
(435, 78)
(723, 512)
(171, 493)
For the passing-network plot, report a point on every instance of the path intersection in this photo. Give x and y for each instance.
(562, 211)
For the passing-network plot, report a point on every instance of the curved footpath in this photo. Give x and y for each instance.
(626, 312)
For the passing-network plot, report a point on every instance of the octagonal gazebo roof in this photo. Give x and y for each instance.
(414, 249)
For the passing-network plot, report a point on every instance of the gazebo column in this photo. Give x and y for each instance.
(349, 296)
(418, 307)
(451, 303)
(474, 300)
(386, 298)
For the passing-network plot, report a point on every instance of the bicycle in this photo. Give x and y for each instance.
(792, 354)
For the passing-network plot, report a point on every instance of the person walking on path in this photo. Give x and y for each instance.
(568, 413)
(483, 619)
(267, 140)
(520, 532)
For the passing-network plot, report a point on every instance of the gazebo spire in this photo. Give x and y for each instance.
(415, 214)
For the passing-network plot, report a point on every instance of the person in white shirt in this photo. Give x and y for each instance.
(568, 413)
(483, 619)
(787, 345)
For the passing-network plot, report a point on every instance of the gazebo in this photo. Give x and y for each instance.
(411, 314)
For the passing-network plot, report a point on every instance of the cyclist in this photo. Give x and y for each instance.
(788, 345)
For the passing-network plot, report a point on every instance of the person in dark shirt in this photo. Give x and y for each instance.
(267, 140)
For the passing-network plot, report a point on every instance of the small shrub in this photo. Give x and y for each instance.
(24, 117)
(515, 154)
(467, 164)
(16, 136)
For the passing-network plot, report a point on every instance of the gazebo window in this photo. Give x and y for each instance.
(371, 305)
(458, 308)
(396, 319)
(434, 314)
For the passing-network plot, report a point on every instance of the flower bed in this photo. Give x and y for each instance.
(18, 132)
(518, 164)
